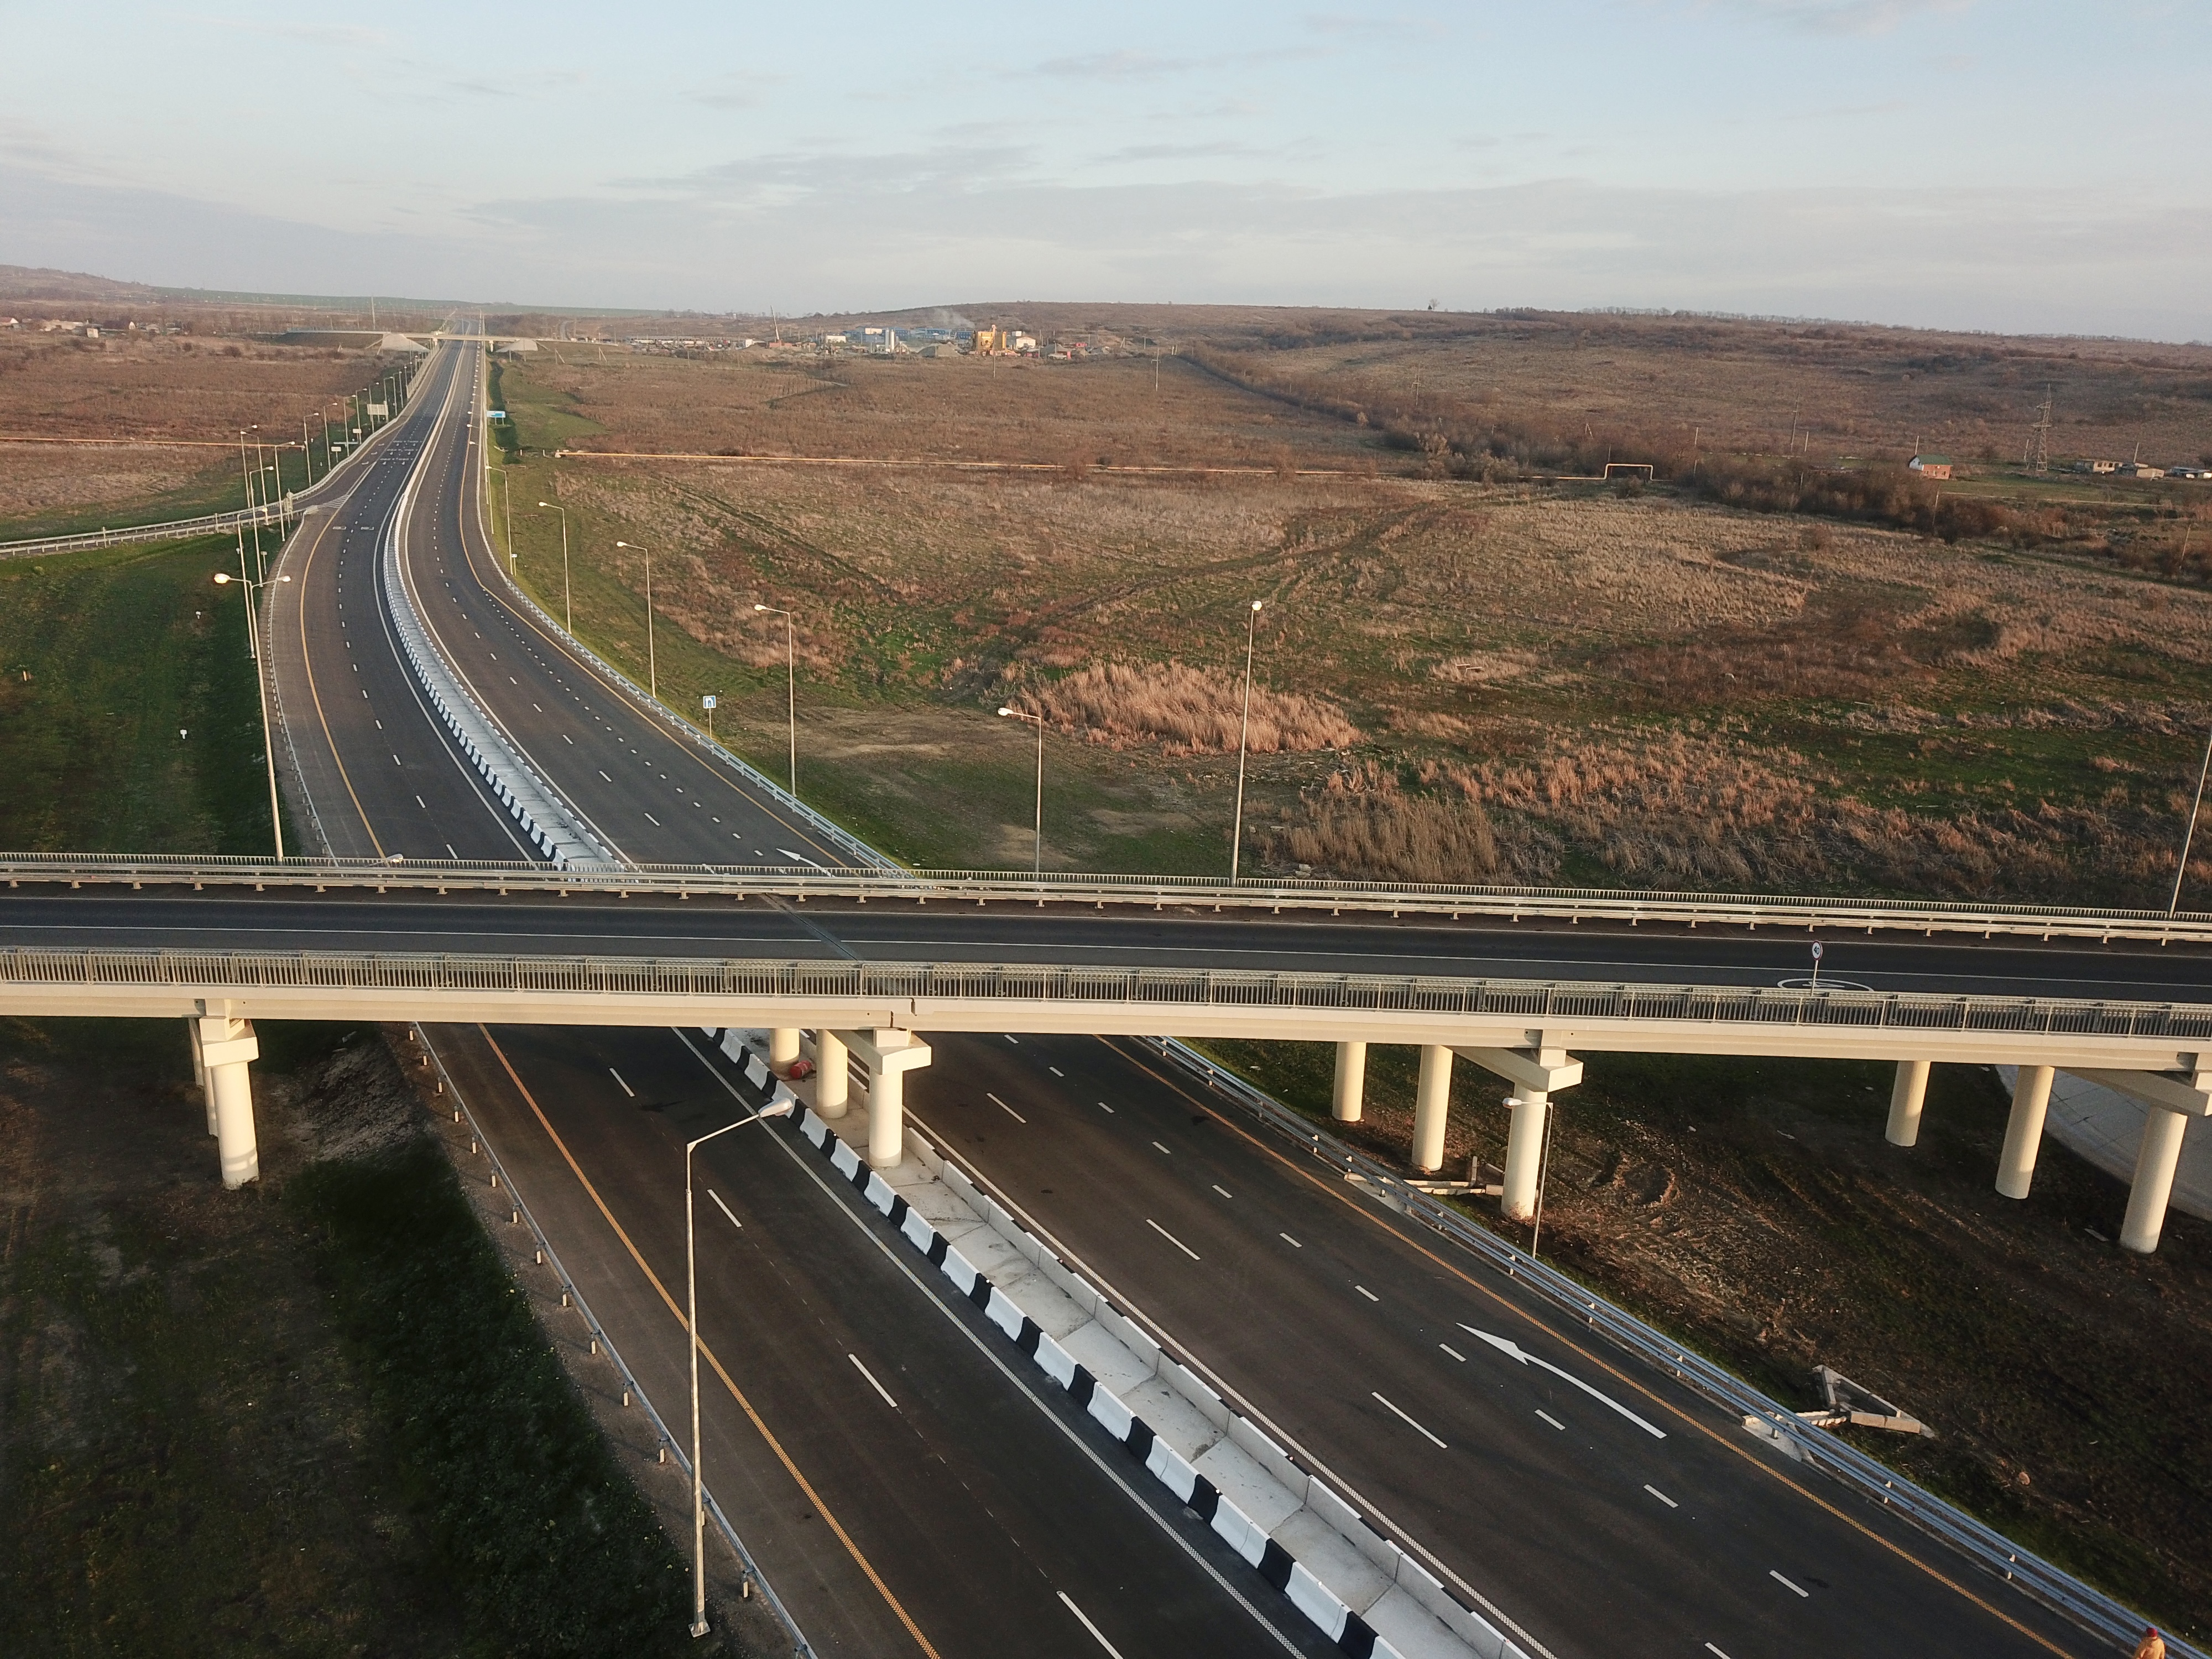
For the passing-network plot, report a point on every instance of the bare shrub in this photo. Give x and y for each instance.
(1191, 711)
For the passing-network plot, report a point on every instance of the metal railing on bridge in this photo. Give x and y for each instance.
(1310, 896)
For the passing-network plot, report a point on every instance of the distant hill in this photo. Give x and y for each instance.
(36, 282)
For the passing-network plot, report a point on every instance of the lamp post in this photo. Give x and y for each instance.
(567, 610)
(790, 692)
(775, 1108)
(1036, 720)
(2190, 834)
(651, 663)
(1243, 739)
(222, 578)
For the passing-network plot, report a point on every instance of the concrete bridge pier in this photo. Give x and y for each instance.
(2157, 1158)
(833, 1077)
(2031, 1104)
(1431, 1107)
(782, 1050)
(222, 1047)
(889, 1054)
(1351, 1082)
(1536, 1072)
(1906, 1097)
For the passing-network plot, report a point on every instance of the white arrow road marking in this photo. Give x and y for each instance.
(1512, 1350)
(799, 858)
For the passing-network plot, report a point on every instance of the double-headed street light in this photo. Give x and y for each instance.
(223, 578)
(1036, 720)
(781, 1107)
(567, 610)
(1243, 739)
(652, 664)
(790, 691)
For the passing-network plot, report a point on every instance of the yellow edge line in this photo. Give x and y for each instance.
(736, 1394)
(1361, 1210)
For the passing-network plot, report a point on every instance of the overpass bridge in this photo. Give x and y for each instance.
(526, 848)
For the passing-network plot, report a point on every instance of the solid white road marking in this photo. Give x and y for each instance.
(1409, 1422)
(873, 1383)
(1513, 1350)
(618, 1077)
(1369, 1294)
(1660, 1495)
(1222, 1190)
(724, 1208)
(1552, 1420)
(1007, 1110)
(1786, 1584)
(1171, 1238)
(1096, 1634)
(1453, 1351)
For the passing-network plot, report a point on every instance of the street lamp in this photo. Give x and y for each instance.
(567, 610)
(777, 1108)
(222, 578)
(790, 693)
(651, 663)
(2190, 834)
(1039, 722)
(1243, 738)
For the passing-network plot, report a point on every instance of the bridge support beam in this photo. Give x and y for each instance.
(222, 1047)
(782, 1049)
(2157, 1158)
(2031, 1103)
(889, 1054)
(1431, 1107)
(1906, 1097)
(1525, 1154)
(833, 1077)
(1351, 1082)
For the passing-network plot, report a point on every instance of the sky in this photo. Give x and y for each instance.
(2023, 167)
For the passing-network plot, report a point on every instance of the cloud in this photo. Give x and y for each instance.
(1862, 17)
(1114, 66)
(1399, 26)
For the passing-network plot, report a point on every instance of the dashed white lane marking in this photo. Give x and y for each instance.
(1660, 1495)
(1288, 1240)
(1711, 1649)
(420, 802)
(1055, 1070)
(652, 820)
(1007, 1110)
(1453, 1351)
(1016, 1041)
(618, 1077)
(1096, 1635)
(1411, 1424)
(1787, 1585)
(1171, 1238)
(1163, 1149)
(724, 1208)
(1104, 1108)
(873, 1383)
(1369, 1294)
(1222, 1190)
(1552, 1420)
(604, 778)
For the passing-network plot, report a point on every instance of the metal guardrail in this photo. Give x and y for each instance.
(675, 1447)
(1310, 897)
(847, 981)
(1987, 1548)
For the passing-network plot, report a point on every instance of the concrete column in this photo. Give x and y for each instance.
(199, 1072)
(886, 1119)
(2031, 1099)
(782, 1049)
(1350, 1081)
(1906, 1095)
(226, 1045)
(2156, 1159)
(1431, 1104)
(833, 1077)
(1525, 1154)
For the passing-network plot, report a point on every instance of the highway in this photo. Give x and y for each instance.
(966, 1513)
(969, 1503)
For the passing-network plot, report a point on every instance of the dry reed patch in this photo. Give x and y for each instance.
(1187, 711)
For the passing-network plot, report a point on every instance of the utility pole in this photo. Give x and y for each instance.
(2043, 433)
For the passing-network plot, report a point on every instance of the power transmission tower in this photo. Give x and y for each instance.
(2043, 433)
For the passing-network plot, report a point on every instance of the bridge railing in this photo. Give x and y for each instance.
(848, 982)
(1833, 914)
